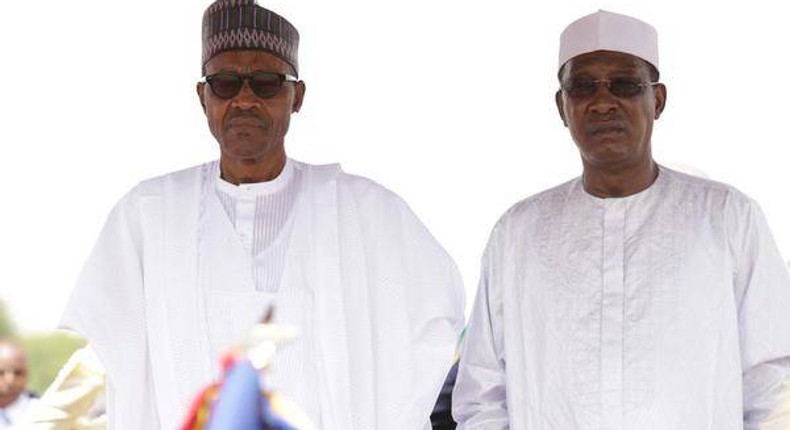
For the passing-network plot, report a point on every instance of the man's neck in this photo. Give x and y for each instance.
(246, 171)
(620, 182)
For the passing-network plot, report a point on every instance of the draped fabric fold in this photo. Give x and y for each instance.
(378, 301)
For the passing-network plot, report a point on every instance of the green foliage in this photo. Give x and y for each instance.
(47, 353)
(7, 327)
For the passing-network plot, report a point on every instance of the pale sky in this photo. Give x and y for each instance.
(448, 103)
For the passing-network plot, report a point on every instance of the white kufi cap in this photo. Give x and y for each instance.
(609, 31)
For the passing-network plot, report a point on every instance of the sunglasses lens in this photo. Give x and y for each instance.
(265, 85)
(225, 85)
(619, 87)
(625, 87)
(581, 89)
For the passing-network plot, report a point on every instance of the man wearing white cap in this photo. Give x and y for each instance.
(634, 296)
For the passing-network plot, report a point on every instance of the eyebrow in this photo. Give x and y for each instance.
(250, 72)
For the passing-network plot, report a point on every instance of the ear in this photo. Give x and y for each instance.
(660, 96)
(299, 90)
(201, 88)
(560, 105)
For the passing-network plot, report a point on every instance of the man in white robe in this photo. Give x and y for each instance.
(188, 262)
(632, 297)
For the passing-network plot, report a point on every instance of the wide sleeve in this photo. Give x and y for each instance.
(479, 397)
(107, 307)
(433, 298)
(436, 313)
(405, 309)
(762, 288)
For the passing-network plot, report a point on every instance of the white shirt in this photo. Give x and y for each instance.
(13, 413)
(262, 216)
(667, 309)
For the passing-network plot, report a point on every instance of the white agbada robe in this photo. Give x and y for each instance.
(378, 301)
(667, 309)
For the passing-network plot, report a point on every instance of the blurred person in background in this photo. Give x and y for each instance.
(15, 400)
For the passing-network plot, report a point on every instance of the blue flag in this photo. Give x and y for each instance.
(240, 404)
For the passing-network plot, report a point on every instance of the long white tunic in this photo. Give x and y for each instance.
(667, 309)
(378, 301)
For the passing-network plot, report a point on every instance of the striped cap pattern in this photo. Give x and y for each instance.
(242, 24)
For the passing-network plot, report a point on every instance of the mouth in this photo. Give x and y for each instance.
(605, 130)
(246, 121)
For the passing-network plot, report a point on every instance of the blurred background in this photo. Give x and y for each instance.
(448, 103)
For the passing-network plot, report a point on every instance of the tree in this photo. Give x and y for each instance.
(46, 354)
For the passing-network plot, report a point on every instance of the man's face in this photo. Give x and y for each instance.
(250, 128)
(13, 373)
(611, 130)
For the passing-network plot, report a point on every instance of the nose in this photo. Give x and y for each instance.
(7, 377)
(246, 98)
(603, 101)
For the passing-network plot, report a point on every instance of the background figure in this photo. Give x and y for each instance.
(634, 296)
(441, 417)
(15, 400)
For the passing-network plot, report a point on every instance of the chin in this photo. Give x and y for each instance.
(607, 158)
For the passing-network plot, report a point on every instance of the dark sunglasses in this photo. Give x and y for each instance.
(619, 87)
(226, 85)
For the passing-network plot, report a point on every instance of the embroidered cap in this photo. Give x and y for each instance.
(242, 24)
(609, 31)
